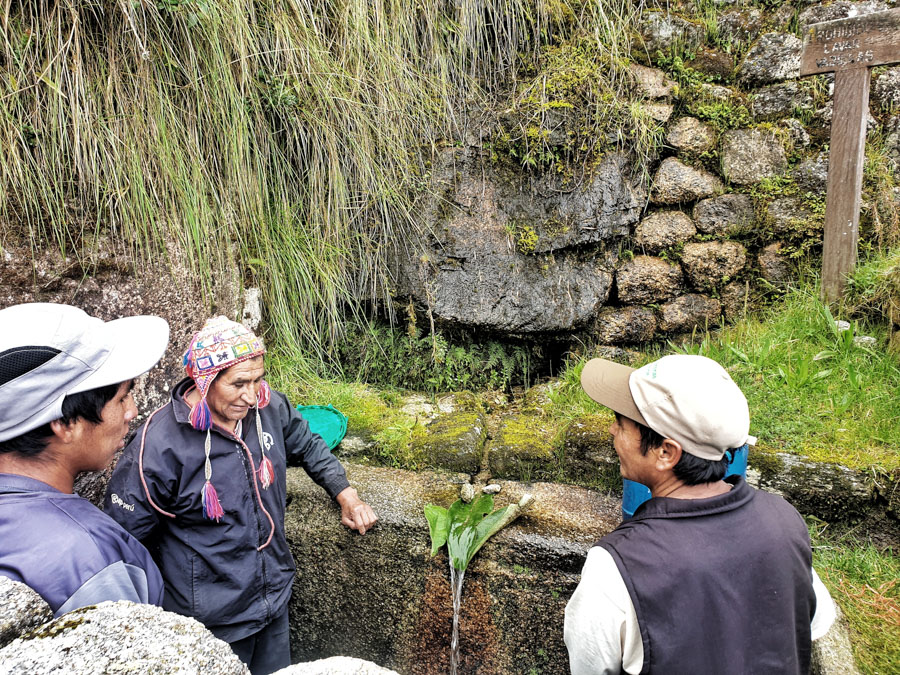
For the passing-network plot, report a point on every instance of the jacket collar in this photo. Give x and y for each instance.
(669, 507)
(13, 482)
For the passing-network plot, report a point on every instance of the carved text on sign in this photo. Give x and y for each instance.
(858, 42)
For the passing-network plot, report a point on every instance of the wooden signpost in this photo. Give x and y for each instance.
(848, 48)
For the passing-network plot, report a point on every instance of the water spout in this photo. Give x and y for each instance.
(456, 584)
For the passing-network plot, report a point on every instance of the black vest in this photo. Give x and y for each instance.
(721, 586)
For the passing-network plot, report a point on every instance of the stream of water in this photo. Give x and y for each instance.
(456, 583)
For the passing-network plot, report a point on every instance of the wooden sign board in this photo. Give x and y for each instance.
(848, 48)
(858, 42)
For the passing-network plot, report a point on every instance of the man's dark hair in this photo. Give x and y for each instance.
(691, 469)
(86, 405)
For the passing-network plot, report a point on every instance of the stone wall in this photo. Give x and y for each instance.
(623, 256)
(380, 597)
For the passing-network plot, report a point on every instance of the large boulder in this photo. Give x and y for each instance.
(830, 491)
(773, 58)
(726, 214)
(21, 609)
(663, 229)
(589, 452)
(120, 637)
(675, 182)
(522, 448)
(515, 295)
(707, 264)
(646, 280)
(514, 256)
(749, 155)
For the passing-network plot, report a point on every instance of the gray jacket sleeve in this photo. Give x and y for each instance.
(118, 581)
(306, 449)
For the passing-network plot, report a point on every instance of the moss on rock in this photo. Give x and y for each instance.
(588, 453)
(453, 441)
(523, 448)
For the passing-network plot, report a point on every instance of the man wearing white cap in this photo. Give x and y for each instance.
(710, 575)
(65, 406)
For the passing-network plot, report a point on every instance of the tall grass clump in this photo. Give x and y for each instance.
(286, 133)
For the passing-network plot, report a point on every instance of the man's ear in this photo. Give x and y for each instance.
(66, 432)
(668, 454)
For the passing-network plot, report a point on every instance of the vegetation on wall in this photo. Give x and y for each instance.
(289, 133)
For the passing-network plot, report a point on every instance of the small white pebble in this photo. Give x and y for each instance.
(865, 341)
(491, 489)
(842, 325)
(467, 492)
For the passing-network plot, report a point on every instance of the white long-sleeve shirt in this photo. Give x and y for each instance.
(601, 627)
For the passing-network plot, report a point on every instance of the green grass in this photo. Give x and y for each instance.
(811, 390)
(865, 582)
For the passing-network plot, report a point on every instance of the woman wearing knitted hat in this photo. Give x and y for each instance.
(204, 481)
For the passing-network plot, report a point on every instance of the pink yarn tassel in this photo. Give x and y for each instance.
(266, 472)
(212, 509)
(201, 417)
(264, 396)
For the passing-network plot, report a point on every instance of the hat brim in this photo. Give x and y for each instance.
(138, 342)
(607, 382)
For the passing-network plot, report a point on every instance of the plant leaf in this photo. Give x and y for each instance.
(458, 544)
(479, 508)
(486, 529)
(438, 525)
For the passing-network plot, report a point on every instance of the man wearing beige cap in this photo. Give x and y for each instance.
(710, 575)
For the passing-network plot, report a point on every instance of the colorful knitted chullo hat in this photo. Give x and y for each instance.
(220, 344)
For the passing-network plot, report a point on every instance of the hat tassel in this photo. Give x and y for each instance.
(266, 471)
(212, 508)
(264, 396)
(201, 416)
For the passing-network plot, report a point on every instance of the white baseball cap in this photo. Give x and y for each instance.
(690, 399)
(48, 351)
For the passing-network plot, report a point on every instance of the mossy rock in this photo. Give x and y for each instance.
(588, 452)
(523, 448)
(453, 441)
(828, 491)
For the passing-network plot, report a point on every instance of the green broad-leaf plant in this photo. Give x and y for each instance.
(465, 527)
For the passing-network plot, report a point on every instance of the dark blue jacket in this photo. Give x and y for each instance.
(223, 573)
(719, 585)
(68, 550)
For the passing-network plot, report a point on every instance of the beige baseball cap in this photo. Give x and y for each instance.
(690, 399)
